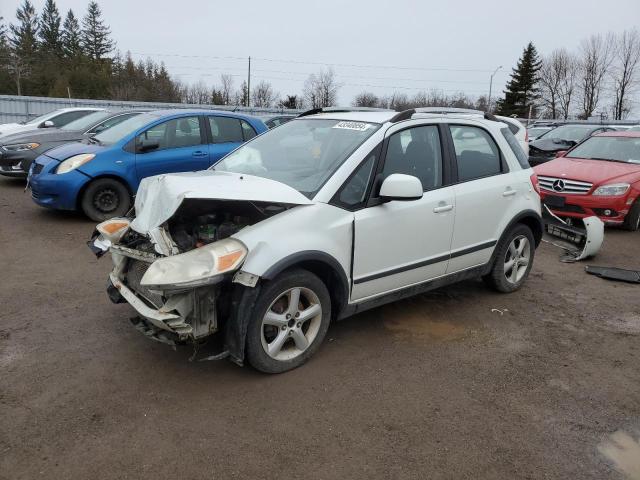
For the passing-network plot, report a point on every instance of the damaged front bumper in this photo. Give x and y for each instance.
(169, 317)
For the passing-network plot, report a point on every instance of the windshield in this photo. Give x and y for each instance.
(40, 118)
(616, 149)
(537, 132)
(573, 133)
(117, 132)
(302, 153)
(83, 123)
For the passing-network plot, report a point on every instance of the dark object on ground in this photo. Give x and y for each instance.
(612, 273)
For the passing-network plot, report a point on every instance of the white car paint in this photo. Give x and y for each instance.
(379, 249)
(11, 128)
(459, 217)
(159, 197)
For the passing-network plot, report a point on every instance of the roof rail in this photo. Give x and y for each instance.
(315, 111)
(407, 114)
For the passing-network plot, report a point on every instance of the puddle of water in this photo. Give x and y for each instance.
(414, 322)
(624, 452)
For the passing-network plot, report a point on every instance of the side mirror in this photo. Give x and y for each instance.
(148, 145)
(47, 124)
(398, 186)
(561, 153)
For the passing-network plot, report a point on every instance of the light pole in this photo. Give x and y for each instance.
(490, 86)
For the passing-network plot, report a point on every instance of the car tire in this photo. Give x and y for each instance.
(105, 198)
(280, 335)
(516, 250)
(632, 220)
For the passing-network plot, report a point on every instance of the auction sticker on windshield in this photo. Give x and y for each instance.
(359, 126)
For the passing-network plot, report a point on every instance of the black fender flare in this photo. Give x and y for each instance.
(244, 298)
(526, 217)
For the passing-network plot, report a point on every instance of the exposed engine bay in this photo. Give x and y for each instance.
(200, 222)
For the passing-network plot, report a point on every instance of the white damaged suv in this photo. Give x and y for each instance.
(330, 214)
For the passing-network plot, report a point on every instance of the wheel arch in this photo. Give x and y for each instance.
(325, 266)
(100, 177)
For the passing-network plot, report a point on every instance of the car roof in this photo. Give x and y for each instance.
(199, 111)
(357, 116)
(620, 133)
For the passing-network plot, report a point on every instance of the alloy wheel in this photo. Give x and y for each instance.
(517, 259)
(291, 323)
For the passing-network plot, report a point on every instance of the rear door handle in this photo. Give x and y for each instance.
(199, 153)
(443, 208)
(509, 192)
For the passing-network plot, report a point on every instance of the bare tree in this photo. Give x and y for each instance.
(226, 88)
(366, 99)
(595, 58)
(568, 84)
(263, 95)
(625, 70)
(321, 89)
(291, 102)
(197, 93)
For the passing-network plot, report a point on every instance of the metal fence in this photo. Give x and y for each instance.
(14, 108)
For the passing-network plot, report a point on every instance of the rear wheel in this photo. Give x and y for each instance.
(632, 220)
(289, 322)
(513, 260)
(105, 198)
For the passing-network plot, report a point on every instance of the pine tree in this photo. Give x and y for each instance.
(522, 91)
(95, 34)
(49, 33)
(71, 36)
(23, 37)
(23, 44)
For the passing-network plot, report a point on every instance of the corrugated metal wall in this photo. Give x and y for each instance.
(15, 108)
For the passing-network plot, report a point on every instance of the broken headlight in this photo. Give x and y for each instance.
(195, 268)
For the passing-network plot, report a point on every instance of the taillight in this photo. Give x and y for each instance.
(534, 182)
(526, 135)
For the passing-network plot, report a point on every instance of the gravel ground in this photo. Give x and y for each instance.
(458, 383)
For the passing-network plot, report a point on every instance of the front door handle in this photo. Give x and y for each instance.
(199, 153)
(442, 208)
(509, 192)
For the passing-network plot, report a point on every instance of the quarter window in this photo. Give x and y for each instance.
(353, 192)
(416, 151)
(225, 130)
(247, 131)
(176, 133)
(516, 148)
(476, 152)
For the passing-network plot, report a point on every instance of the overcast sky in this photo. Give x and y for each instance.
(374, 45)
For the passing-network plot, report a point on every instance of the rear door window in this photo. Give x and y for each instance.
(516, 148)
(477, 154)
(225, 130)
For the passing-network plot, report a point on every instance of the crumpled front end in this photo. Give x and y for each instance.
(170, 316)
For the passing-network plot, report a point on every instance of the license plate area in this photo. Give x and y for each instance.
(554, 201)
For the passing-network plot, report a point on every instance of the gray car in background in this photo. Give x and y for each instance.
(19, 150)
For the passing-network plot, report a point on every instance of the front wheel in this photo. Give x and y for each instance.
(105, 198)
(632, 220)
(513, 260)
(289, 322)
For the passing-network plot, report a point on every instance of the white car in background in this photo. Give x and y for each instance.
(57, 118)
(330, 214)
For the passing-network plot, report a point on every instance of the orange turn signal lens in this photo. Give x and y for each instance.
(114, 227)
(226, 262)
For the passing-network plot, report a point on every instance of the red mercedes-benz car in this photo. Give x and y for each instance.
(599, 176)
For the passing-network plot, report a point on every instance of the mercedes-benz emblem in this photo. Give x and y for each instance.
(558, 185)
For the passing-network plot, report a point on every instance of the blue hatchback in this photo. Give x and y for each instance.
(101, 175)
